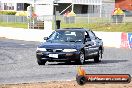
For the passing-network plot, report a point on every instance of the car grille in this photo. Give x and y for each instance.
(54, 50)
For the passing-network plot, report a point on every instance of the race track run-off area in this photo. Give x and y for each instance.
(18, 64)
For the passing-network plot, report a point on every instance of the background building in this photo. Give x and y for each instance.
(108, 6)
(80, 7)
(87, 11)
(14, 6)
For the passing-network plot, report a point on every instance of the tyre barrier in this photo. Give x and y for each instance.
(82, 78)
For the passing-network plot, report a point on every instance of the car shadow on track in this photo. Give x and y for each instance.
(89, 62)
(113, 61)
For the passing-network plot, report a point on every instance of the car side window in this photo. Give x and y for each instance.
(92, 35)
(87, 36)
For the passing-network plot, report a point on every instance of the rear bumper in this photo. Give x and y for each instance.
(61, 56)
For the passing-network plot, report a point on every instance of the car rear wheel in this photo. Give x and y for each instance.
(98, 57)
(41, 62)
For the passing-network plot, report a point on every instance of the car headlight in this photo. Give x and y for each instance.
(69, 50)
(41, 49)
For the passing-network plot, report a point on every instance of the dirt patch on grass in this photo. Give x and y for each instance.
(69, 84)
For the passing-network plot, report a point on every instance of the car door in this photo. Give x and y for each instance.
(95, 42)
(88, 45)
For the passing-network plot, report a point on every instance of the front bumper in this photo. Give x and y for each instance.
(58, 56)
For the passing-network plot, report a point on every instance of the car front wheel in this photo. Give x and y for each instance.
(98, 57)
(81, 58)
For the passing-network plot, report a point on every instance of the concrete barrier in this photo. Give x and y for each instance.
(24, 34)
(110, 39)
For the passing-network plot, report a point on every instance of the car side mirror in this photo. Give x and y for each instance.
(45, 38)
(98, 38)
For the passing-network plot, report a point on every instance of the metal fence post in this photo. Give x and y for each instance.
(116, 20)
(124, 18)
(88, 18)
(7, 18)
(15, 19)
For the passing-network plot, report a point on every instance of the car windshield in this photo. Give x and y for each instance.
(66, 36)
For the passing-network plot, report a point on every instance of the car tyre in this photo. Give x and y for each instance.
(98, 57)
(41, 62)
(81, 80)
(81, 60)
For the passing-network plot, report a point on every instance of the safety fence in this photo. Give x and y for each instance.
(79, 18)
(13, 18)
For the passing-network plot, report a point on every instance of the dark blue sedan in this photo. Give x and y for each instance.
(70, 44)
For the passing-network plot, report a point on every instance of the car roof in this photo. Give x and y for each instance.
(71, 29)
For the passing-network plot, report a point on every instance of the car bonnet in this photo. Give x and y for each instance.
(49, 45)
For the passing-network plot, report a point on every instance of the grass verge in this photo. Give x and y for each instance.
(121, 27)
(14, 25)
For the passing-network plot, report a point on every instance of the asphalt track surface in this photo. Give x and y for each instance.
(18, 64)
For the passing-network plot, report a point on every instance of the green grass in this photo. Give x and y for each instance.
(121, 27)
(14, 25)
